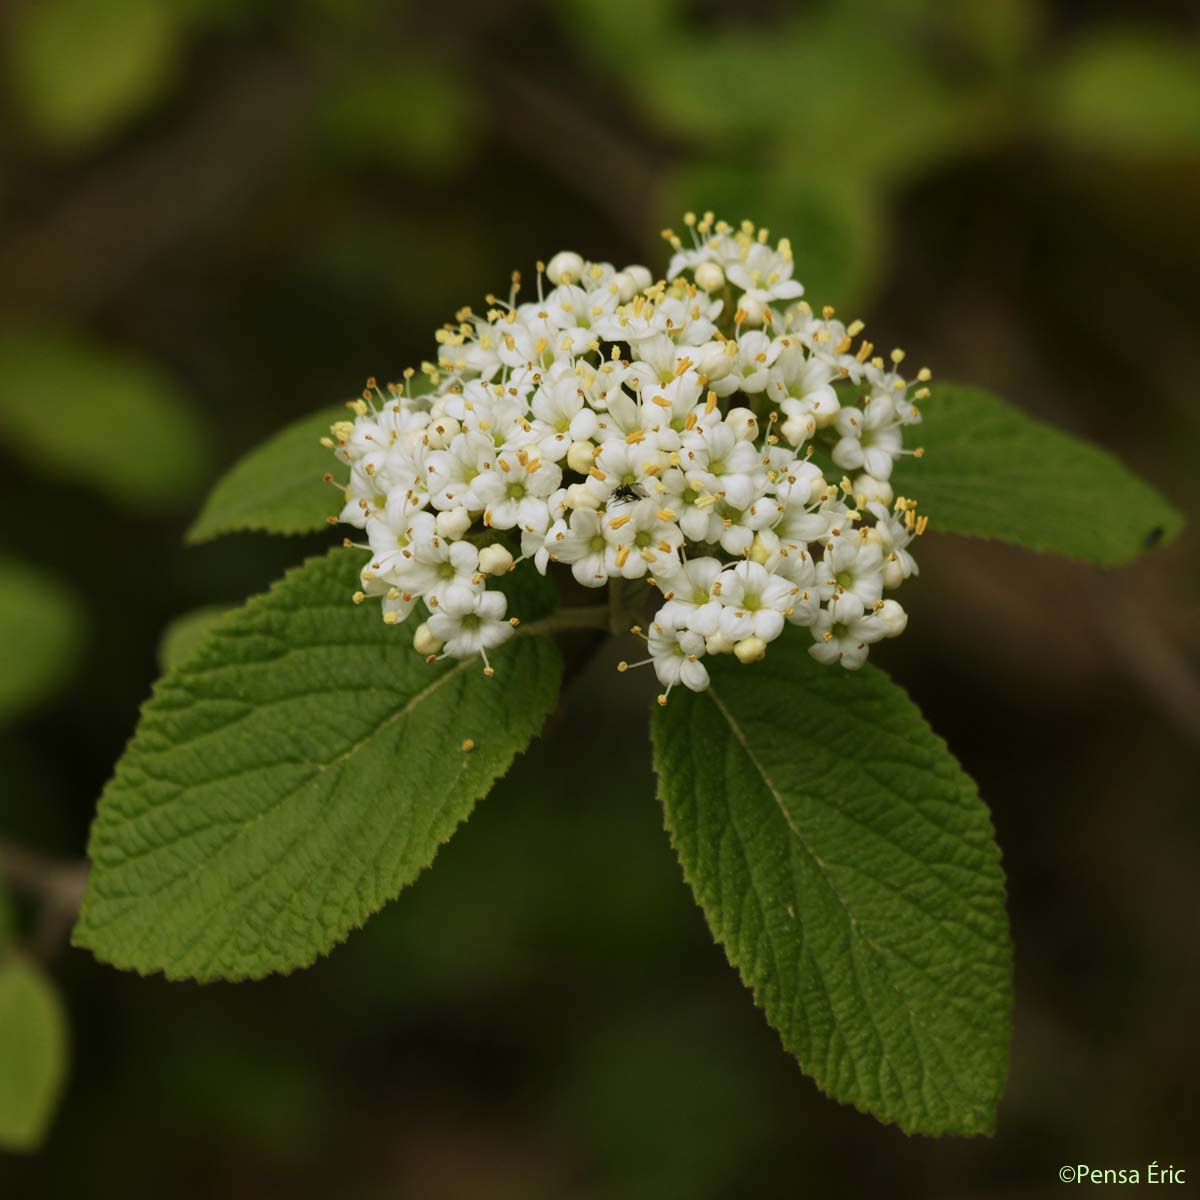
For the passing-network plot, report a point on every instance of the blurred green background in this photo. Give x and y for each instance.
(217, 215)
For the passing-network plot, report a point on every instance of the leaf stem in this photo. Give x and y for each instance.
(590, 616)
(616, 613)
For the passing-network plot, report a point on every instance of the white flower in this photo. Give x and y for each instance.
(752, 365)
(755, 602)
(845, 638)
(640, 536)
(561, 415)
(719, 463)
(894, 535)
(437, 566)
(871, 439)
(580, 542)
(676, 654)
(802, 387)
(450, 472)
(739, 525)
(766, 275)
(693, 507)
(852, 564)
(631, 428)
(687, 587)
(514, 491)
(622, 464)
(470, 623)
(392, 534)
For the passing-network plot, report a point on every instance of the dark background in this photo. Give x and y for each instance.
(248, 207)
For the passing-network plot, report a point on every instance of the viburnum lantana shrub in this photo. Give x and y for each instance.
(743, 476)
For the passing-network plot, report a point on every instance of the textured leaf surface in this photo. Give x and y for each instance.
(848, 866)
(187, 633)
(293, 775)
(990, 471)
(40, 636)
(33, 1051)
(109, 421)
(277, 488)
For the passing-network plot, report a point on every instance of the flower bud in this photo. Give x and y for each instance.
(825, 415)
(581, 456)
(453, 523)
(797, 430)
(710, 277)
(565, 267)
(750, 649)
(871, 488)
(717, 644)
(580, 496)
(424, 642)
(494, 560)
(743, 422)
(626, 286)
(640, 275)
(442, 432)
(715, 360)
(760, 552)
(893, 573)
(893, 617)
(753, 309)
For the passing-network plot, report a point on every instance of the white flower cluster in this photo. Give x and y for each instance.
(630, 429)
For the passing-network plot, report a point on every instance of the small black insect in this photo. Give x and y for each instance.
(1154, 537)
(627, 493)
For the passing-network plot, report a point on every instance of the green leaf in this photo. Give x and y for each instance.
(296, 773)
(186, 634)
(33, 1053)
(990, 471)
(848, 866)
(1127, 93)
(109, 421)
(82, 67)
(278, 487)
(43, 624)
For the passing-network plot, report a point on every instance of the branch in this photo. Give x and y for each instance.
(59, 886)
(591, 616)
(53, 881)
